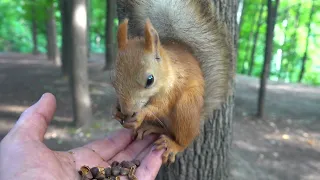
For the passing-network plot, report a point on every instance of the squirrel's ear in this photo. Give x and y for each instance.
(123, 34)
(152, 41)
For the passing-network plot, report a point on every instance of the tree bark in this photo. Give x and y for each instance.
(65, 7)
(79, 80)
(110, 42)
(34, 29)
(208, 157)
(305, 55)
(255, 39)
(271, 20)
(52, 47)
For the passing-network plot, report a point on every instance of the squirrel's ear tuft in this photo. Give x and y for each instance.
(123, 34)
(152, 41)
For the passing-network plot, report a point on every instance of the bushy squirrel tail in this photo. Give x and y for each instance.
(195, 24)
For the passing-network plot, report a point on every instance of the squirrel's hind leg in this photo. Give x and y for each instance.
(171, 148)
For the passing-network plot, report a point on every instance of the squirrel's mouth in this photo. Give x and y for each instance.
(146, 103)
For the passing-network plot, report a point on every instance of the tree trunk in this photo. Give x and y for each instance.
(65, 6)
(52, 47)
(34, 29)
(88, 23)
(271, 20)
(208, 157)
(110, 52)
(305, 55)
(241, 9)
(79, 80)
(255, 39)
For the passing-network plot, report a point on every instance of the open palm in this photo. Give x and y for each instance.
(23, 155)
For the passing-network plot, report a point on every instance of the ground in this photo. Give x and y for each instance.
(284, 145)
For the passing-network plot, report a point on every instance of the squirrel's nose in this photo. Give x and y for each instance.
(133, 114)
(128, 113)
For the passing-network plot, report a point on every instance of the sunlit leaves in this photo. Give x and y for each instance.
(289, 41)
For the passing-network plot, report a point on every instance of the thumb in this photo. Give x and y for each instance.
(33, 123)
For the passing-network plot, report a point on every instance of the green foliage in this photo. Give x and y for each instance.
(291, 31)
(289, 43)
(16, 17)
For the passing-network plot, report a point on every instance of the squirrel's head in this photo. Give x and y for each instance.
(139, 68)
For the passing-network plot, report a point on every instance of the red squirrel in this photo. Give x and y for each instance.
(172, 77)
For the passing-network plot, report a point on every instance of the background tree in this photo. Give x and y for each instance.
(255, 38)
(110, 52)
(79, 73)
(272, 14)
(208, 158)
(65, 7)
(305, 55)
(34, 28)
(52, 46)
(88, 24)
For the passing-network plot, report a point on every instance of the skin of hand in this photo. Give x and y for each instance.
(23, 155)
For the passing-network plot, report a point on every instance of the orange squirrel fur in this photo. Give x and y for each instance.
(175, 98)
(177, 74)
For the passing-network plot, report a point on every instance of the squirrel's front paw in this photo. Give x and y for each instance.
(146, 129)
(170, 146)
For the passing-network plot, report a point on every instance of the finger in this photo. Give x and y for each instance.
(33, 123)
(135, 148)
(150, 165)
(113, 144)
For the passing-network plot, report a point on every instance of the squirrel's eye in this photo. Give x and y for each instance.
(150, 81)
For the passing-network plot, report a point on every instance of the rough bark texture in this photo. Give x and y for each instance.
(208, 157)
(65, 7)
(305, 55)
(255, 39)
(79, 82)
(52, 47)
(110, 45)
(34, 30)
(271, 19)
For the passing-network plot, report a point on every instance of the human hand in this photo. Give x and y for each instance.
(23, 155)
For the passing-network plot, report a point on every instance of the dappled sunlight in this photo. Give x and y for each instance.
(292, 88)
(81, 16)
(249, 146)
(18, 109)
(58, 133)
(12, 108)
(62, 119)
(305, 140)
(5, 125)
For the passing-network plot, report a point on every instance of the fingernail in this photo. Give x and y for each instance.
(41, 96)
(153, 148)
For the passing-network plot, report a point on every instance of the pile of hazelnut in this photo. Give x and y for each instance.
(125, 168)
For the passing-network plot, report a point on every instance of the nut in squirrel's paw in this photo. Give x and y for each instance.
(146, 129)
(171, 149)
(133, 122)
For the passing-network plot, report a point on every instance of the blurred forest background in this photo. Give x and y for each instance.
(295, 56)
(278, 69)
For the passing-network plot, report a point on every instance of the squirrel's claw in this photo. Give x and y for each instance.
(171, 149)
